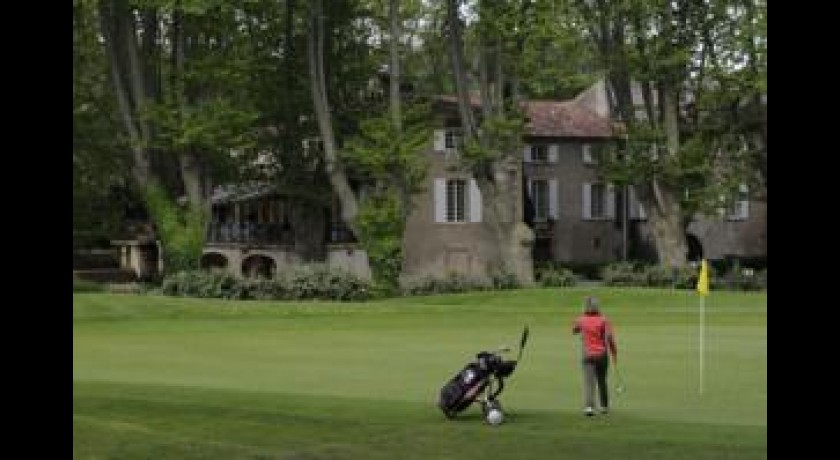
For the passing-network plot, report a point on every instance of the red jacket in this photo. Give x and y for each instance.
(596, 332)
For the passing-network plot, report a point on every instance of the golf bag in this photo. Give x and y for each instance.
(484, 376)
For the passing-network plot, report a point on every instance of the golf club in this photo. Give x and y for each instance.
(620, 386)
(522, 342)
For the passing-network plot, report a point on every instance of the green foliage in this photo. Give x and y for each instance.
(503, 279)
(214, 125)
(392, 158)
(555, 275)
(645, 275)
(447, 284)
(80, 285)
(623, 274)
(181, 229)
(389, 153)
(674, 277)
(381, 226)
(744, 278)
(710, 57)
(98, 170)
(500, 138)
(316, 281)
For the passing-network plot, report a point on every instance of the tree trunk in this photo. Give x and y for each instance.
(394, 79)
(113, 36)
(332, 164)
(661, 201)
(456, 55)
(499, 182)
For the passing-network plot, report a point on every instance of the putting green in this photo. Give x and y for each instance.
(164, 377)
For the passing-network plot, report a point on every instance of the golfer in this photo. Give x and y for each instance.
(596, 335)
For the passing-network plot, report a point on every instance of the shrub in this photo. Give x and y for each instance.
(505, 280)
(679, 278)
(745, 279)
(306, 282)
(555, 276)
(86, 286)
(451, 283)
(319, 281)
(623, 274)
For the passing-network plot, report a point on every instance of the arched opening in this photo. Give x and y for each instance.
(258, 266)
(214, 260)
(695, 248)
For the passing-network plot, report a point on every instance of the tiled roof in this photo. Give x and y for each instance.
(564, 119)
(555, 118)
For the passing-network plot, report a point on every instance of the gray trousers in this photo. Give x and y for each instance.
(595, 374)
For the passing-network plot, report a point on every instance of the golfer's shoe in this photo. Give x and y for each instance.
(588, 411)
(605, 410)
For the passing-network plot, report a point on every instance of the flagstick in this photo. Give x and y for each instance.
(702, 327)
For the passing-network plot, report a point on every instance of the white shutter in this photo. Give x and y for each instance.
(632, 206)
(552, 198)
(530, 184)
(744, 205)
(440, 140)
(610, 202)
(637, 211)
(440, 200)
(553, 152)
(526, 153)
(475, 202)
(587, 201)
(587, 154)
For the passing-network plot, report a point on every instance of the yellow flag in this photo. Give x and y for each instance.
(703, 280)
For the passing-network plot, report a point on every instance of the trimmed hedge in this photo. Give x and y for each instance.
(315, 281)
(448, 284)
(554, 275)
(646, 275)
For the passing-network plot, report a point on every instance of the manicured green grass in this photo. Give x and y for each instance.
(169, 378)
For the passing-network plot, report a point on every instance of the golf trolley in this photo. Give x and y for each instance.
(481, 380)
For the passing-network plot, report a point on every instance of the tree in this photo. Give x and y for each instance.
(98, 204)
(492, 139)
(675, 150)
(382, 151)
(175, 67)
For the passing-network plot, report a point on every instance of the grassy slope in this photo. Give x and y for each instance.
(185, 378)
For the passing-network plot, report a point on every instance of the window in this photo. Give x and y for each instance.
(455, 200)
(539, 194)
(598, 201)
(539, 153)
(543, 194)
(447, 140)
(452, 140)
(598, 206)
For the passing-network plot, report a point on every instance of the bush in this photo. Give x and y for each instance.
(678, 278)
(306, 282)
(662, 276)
(623, 274)
(87, 286)
(744, 279)
(555, 276)
(319, 281)
(505, 280)
(449, 284)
